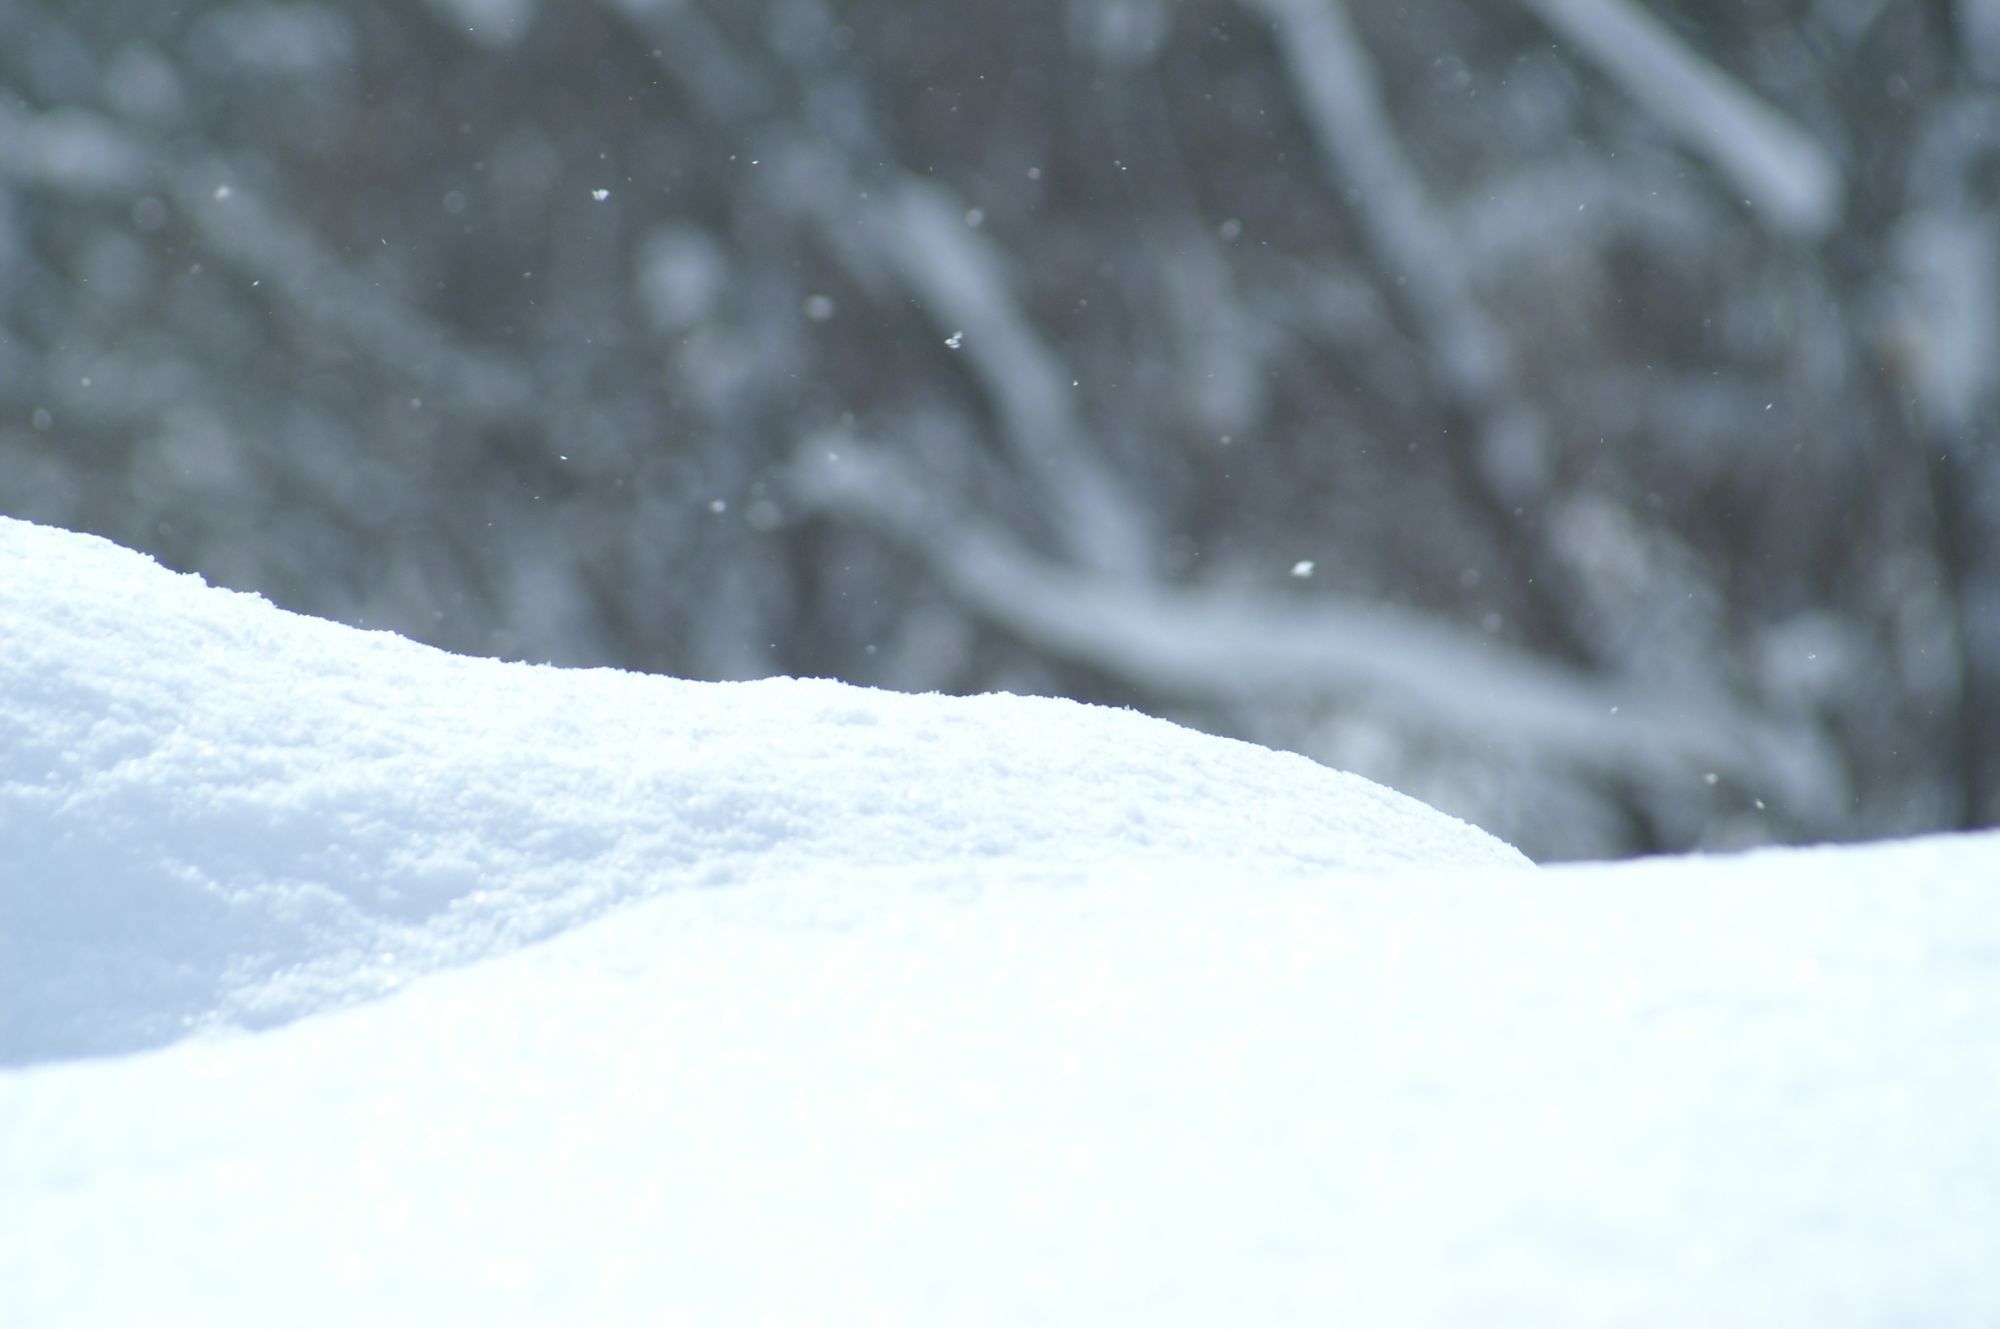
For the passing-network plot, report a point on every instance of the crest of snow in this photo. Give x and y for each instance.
(215, 812)
(1000, 1011)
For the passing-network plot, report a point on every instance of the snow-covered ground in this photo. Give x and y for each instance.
(345, 982)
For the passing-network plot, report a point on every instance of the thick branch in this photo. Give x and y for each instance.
(1791, 181)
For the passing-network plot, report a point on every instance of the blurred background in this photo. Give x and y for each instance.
(1578, 414)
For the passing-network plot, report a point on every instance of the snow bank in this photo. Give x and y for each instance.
(212, 811)
(1757, 1092)
(996, 1012)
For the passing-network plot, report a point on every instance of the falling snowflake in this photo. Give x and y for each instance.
(600, 194)
(1303, 568)
(955, 340)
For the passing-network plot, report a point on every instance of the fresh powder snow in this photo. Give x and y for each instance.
(213, 811)
(343, 981)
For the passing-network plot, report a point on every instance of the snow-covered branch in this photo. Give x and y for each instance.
(1213, 645)
(282, 255)
(686, 43)
(961, 283)
(83, 154)
(1791, 181)
(909, 237)
(1341, 97)
(70, 152)
(881, 221)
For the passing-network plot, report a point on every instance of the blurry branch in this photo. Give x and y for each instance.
(1942, 332)
(1568, 205)
(1216, 344)
(1217, 646)
(84, 155)
(916, 231)
(958, 279)
(1979, 30)
(1781, 171)
(1341, 97)
(903, 234)
(1416, 249)
(1943, 327)
(69, 152)
(688, 46)
(320, 293)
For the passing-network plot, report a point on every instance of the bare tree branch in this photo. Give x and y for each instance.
(1506, 472)
(1341, 97)
(254, 237)
(1223, 646)
(1791, 181)
(962, 285)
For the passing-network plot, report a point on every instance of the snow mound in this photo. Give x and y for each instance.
(215, 813)
(1011, 1012)
(1747, 1093)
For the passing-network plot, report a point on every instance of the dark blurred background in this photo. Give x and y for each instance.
(1578, 414)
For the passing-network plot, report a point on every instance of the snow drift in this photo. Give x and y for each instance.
(853, 1009)
(212, 811)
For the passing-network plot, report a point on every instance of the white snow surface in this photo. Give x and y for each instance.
(347, 982)
(215, 812)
